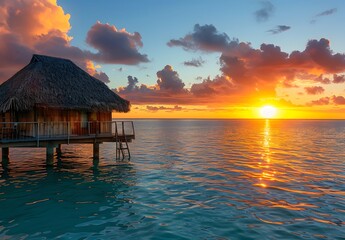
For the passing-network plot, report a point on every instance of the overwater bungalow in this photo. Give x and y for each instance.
(52, 101)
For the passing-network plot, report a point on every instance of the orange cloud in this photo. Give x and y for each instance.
(314, 90)
(333, 100)
(258, 72)
(91, 69)
(30, 19)
(41, 26)
(247, 74)
(163, 108)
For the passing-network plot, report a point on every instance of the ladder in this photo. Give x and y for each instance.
(121, 148)
(121, 140)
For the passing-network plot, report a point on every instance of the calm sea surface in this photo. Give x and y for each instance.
(187, 179)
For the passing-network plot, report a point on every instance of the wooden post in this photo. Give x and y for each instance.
(58, 151)
(5, 156)
(50, 155)
(95, 154)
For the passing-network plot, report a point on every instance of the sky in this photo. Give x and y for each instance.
(191, 59)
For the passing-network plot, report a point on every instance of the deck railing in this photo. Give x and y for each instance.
(19, 131)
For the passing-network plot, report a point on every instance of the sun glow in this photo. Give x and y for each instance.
(268, 111)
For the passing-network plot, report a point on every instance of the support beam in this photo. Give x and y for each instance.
(58, 151)
(95, 154)
(50, 155)
(5, 157)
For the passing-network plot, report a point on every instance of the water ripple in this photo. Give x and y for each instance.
(192, 179)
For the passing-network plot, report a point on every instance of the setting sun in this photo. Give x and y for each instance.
(268, 111)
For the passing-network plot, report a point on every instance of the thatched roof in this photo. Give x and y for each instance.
(57, 83)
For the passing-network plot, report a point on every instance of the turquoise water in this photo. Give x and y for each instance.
(187, 179)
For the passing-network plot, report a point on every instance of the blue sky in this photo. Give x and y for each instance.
(159, 21)
(191, 56)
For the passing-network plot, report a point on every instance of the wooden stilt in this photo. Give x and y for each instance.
(50, 155)
(58, 151)
(96, 151)
(95, 155)
(5, 157)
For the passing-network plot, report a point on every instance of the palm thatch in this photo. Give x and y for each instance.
(57, 83)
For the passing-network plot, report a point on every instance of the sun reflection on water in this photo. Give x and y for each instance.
(268, 173)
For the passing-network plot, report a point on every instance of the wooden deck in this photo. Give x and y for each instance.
(44, 141)
(53, 134)
(34, 134)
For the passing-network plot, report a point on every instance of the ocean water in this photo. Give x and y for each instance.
(187, 179)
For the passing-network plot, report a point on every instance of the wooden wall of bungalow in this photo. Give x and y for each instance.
(55, 122)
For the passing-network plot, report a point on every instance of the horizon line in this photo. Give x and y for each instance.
(187, 118)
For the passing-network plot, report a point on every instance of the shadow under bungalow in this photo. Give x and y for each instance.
(52, 101)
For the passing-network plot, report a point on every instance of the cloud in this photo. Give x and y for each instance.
(322, 79)
(205, 38)
(211, 87)
(169, 89)
(132, 85)
(333, 100)
(169, 80)
(279, 29)
(115, 46)
(324, 13)
(33, 18)
(265, 12)
(321, 101)
(258, 72)
(327, 12)
(194, 63)
(314, 90)
(247, 73)
(42, 27)
(338, 100)
(338, 78)
(91, 69)
(21, 24)
(320, 53)
(163, 108)
(255, 70)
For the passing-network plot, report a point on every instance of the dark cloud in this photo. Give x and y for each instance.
(210, 87)
(163, 108)
(169, 89)
(256, 70)
(169, 80)
(265, 12)
(333, 100)
(338, 78)
(327, 12)
(13, 55)
(115, 46)
(322, 79)
(279, 29)
(324, 13)
(338, 100)
(194, 62)
(321, 101)
(132, 84)
(321, 54)
(205, 38)
(102, 76)
(314, 90)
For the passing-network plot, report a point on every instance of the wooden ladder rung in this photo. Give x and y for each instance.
(120, 147)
